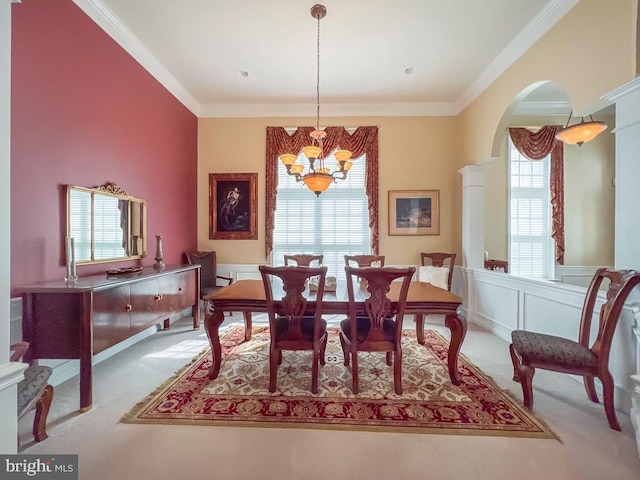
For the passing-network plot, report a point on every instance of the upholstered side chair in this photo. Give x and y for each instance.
(531, 350)
(289, 327)
(34, 392)
(380, 329)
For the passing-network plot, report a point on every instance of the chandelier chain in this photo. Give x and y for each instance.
(318, 76)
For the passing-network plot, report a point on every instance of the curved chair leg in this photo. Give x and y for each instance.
(345, 351)
(516, 363)
(397, 372)
(274, 355)
(525, 373)
(607, 397)
(42, 411)
(323, 348)
(590, 387)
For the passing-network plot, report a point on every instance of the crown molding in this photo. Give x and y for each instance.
(541, 24)
(543, 108)
(413, 109)
(113, 26)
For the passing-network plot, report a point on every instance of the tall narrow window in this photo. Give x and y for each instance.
(530, 244)
(334, 224)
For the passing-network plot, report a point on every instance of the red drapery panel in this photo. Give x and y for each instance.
(363, 141)
(535, 146)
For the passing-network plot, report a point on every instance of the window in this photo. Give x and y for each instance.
(530, 243)
(334, 224)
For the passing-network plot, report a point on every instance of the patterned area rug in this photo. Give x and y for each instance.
(430, 403)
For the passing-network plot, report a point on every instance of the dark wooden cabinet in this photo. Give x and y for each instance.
(80, 321)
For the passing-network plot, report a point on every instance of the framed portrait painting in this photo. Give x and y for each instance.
(414, 212)
(233, 206)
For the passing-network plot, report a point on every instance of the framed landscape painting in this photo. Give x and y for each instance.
(414, 212)
(233, 206)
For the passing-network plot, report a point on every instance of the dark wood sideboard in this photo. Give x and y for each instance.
(79, 321)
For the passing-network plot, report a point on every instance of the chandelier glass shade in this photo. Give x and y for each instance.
(581, 132)
(318, 176)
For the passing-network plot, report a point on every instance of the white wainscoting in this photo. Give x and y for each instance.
(502, 303)
(575, 275)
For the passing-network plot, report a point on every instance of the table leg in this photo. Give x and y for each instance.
(247, 326)
(212, 322)
(420, 328)
(458, 327)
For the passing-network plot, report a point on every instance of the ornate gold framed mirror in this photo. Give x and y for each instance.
(106, 223)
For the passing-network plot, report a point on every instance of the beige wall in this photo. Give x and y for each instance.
(586, 73)
(414, 153)
(589, 197)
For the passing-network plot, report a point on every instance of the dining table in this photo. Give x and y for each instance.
(248, 296)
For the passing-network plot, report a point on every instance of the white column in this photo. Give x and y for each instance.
(10, 373)
(627, 197)
(472, 216)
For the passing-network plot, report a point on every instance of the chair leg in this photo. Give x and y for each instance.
(590, 387)
(516, 363)
(524, 375)
(389, 359)
(607, 397)
(345, 350)
(274, 355)
(420, 328)
(397, 371)
(314, 372)
(323, 348)
(42, 411)
(354, 372)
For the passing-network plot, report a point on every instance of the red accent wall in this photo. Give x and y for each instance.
(84, 112)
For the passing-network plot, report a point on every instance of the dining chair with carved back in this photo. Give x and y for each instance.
(34, 391)
(531, 350)
(208, 272)
(380, 329)
(364, 260)
(303, 260)
(436, 269)
(289, 327)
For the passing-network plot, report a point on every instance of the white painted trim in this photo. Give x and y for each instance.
(11, 374)
(541, 24)
(113, 26)
(548, 109)
(623, 91)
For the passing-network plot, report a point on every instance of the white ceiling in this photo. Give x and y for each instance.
(456, 48)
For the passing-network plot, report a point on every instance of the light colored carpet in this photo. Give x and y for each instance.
(109, 449)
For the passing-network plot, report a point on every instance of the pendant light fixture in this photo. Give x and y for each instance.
(318, 177)
(581, 132)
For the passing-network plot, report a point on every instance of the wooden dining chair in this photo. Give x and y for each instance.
(289, 327)
(363, 260)
(443, 264)
(531, 350)
(380, 329)
(303, 260)
(436, 269)
(208, 272)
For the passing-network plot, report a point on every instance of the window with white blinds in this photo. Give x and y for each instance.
(334, 224)
(530, 242)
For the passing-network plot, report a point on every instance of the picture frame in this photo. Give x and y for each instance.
(233, 206)
(414, 212)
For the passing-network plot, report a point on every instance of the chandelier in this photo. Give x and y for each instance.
(318, 177)
(581, 132)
